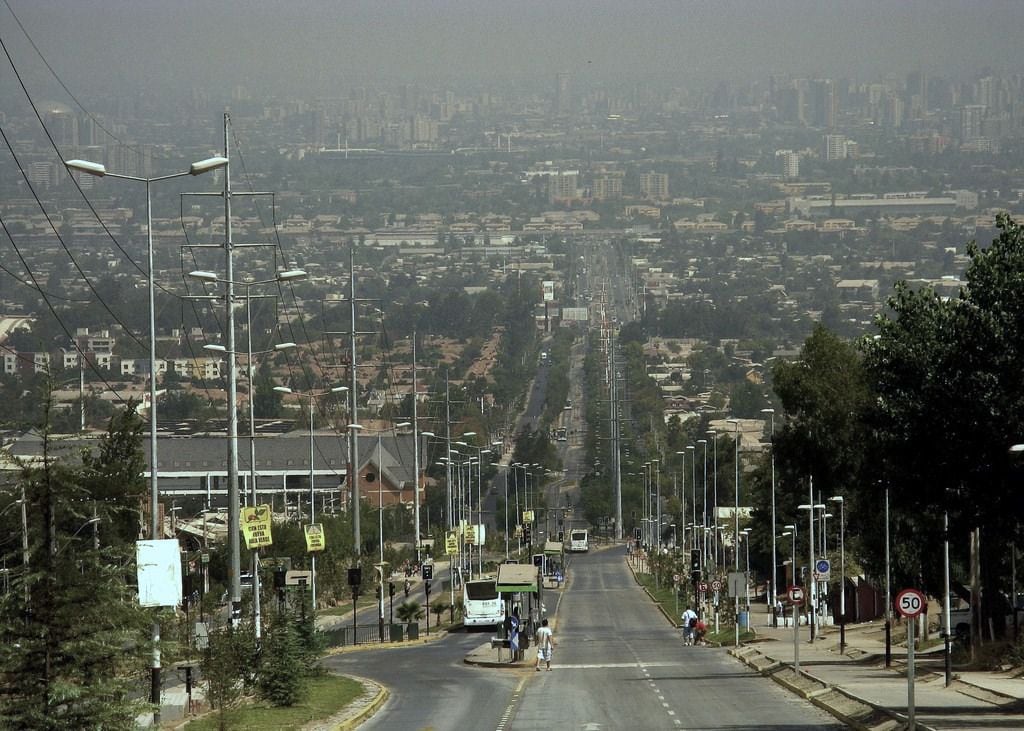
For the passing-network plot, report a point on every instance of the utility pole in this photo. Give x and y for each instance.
(416, 453)
(353, 434)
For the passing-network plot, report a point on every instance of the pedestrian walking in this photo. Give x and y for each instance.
(545, 643)
(689, 624)
(512, 632)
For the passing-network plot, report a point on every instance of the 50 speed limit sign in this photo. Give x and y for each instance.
(910, 602)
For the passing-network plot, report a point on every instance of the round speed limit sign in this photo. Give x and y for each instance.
(910, 602)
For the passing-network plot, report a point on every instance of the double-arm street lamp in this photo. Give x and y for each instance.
(312, 396)
(810, 508)
(234, 540)
(774, 586)
(98, 170)
(480, 451)
(736, 519)
(842, 570)
(713, 435)
(253, 498)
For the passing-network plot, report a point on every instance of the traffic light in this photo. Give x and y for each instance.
(695, 576)
(636, 535)
(428, 571)
(695, 559)
(561, 536)
(391, 588)
(527, 534)
(376, 591)
(355, 576)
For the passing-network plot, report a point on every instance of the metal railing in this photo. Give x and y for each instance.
(364, 634)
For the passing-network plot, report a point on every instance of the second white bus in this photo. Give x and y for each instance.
(578, 541)
(481, 604)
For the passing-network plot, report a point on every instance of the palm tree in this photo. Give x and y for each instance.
(410, 611)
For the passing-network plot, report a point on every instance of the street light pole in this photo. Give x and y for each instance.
(312, 396)
(706, 543)
(775, 585)
(810, 567)
(284, 276)
(714, 436)
(736, 521)
(416, 452)
(888, 588)
(197, 168)
(842, 571)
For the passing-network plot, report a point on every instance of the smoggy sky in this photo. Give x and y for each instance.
(315, 47)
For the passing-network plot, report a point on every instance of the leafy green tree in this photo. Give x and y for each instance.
(266, 401)
(225, 662)
(282, 668)
(69, 630)
(950, 402)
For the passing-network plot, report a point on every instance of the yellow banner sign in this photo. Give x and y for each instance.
(256, 526)
(527, 516)
(471, 534)
(314, 537)
(451, 543)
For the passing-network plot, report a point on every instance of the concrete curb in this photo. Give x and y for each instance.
(367, 711)
(852, 710)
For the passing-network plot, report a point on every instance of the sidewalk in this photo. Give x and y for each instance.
(857, 687)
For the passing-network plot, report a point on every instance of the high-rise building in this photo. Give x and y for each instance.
(654, 186)
(970, 121)
(822, 103)
(835, 147)
(607, 187)
(562, 186)
(917, 94)
(562, 104)
(790, 163)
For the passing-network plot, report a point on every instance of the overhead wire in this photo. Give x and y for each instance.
(306, 336)
(49, 305)
(289, 320)
(138, 267)
(85, 198)
(56, 233)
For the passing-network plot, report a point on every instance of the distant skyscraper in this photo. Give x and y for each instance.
(562, 102)
(822, 103)
(835, 147)
(917, 94)
(654, 186)
(607, 187)
(971, 117)
(562, 187)
(790, 163)
(63, 127)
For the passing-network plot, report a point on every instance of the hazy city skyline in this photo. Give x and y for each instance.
(315, 47)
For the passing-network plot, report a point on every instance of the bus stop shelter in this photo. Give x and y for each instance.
(520, 588)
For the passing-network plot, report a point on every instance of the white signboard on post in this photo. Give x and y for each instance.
(737, 583)
(159, 572)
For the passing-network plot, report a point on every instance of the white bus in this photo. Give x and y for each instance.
(578, 541)
(481, 603)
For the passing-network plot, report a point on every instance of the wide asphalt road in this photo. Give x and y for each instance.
(618, 665)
